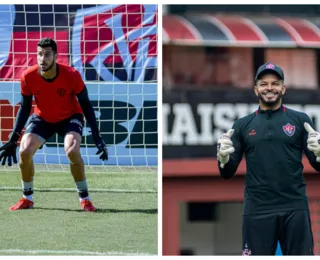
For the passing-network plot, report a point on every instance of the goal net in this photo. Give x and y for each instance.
(114, 47)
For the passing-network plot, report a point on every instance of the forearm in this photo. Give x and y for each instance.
(91, 119)
(229, 169)
(313, 160)
(23, 114)
(316, 166)
(89, 114)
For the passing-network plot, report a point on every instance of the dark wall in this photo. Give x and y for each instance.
(295, 10)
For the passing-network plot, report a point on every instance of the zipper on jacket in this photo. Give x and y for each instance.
(269, 125)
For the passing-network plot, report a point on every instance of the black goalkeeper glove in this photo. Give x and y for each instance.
(8, 150)
(102, 149)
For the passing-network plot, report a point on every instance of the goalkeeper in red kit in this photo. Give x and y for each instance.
(61, 99)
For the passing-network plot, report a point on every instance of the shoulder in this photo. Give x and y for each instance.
(243, 121)
(301, 116)
(67, 70)
(241, 124)
(30, 72)
(71, 74)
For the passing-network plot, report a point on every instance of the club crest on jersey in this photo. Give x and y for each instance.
(61, 91)
(289, 129)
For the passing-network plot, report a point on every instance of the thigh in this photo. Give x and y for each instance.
(259, 234)
(72, 142)
(296, 237)
(39, 127)
(72, 124)
(30, 143)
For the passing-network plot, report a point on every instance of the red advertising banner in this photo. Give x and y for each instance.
(103, 42)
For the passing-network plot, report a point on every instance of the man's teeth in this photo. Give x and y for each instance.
(269, 94)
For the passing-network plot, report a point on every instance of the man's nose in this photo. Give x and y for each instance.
(269, 86)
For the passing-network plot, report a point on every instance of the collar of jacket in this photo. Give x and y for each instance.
(269, 112)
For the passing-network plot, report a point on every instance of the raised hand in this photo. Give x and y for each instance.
(225, 148)
(313, 140)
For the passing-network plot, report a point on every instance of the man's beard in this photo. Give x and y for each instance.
(270, 103)
(49, 68)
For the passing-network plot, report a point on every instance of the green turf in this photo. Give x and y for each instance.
(125, 222)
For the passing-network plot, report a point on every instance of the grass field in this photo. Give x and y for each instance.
(125, 223)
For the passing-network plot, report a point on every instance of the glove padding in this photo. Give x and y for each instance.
(102, 149)
(313, 141)
(8, 150)
(225, 148)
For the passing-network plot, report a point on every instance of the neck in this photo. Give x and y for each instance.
(51, 73)
(270, 107)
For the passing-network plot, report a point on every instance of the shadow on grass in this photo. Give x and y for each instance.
(144, 211)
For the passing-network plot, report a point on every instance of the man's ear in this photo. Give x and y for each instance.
(284, 89)
(255, 89)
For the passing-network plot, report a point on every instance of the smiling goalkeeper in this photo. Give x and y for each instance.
(273, 139)
(61, 100)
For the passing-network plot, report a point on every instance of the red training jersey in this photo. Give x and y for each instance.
(55, 99)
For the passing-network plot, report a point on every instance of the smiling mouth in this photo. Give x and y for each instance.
(270, 94)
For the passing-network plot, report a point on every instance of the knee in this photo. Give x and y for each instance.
(25, 154)
(73, 154)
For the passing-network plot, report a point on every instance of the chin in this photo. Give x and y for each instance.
(270, 102)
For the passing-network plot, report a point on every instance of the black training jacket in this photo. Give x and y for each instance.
(273, 143)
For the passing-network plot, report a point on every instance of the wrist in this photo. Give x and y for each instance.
(317, 154)
(97, 139)
(223, 159)
(14, 137)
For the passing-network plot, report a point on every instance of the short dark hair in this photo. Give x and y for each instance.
(47, 42)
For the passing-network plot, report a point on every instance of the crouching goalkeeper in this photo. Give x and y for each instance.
(273, 139)
(61, 100)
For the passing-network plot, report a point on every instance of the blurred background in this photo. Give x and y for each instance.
(210, 56)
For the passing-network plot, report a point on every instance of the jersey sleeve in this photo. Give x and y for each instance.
(310, 155)
(78, 83)
(23, 86)
(89, 114)
(231, 166)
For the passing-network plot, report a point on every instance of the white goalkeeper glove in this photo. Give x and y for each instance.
(313, 141)
(225, 148)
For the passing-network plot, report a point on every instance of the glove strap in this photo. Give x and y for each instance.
(98, 140)
(14, 137)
